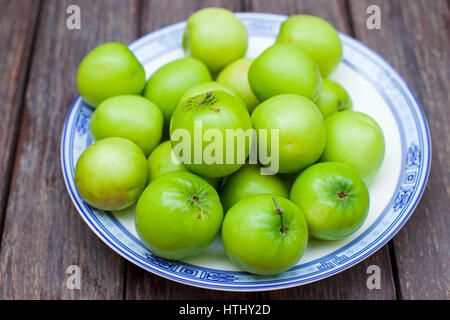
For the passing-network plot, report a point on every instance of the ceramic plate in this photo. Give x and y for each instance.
(376, 89)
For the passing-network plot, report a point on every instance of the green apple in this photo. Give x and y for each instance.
(355, 139)
(264, 235)
(302, 134)
(178, 215)
(316, 37)
(248, 181)
(131, 117)
(204, 87)
(109, 70)
(235, 75)
(166, 86)
(283, 68)
(198, 131)
(161, 162)
(216, 37)
(333, 98)
(333, 198)
(111, 174)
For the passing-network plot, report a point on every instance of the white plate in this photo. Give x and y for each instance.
(376, 89)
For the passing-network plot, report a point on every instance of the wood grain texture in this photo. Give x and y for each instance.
(334, 11)
(415, 38)
(155, 14)
(350, 284)
(16, 37)
(43, 234)
(142, 284)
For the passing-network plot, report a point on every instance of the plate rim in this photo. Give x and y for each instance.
(282, 284)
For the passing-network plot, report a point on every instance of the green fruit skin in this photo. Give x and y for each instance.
(316, 193)
(253, 240)
(283, 68)
(235, 75)
(333, 98)
(171, 222)
(344, 100)
(160, 162)
(109, 70)
(111, 174)
(316, 37)
(131, 117)
(221, 113)
(166, 86)
(216, 37)
(247, 182)
(355, 139)
(209, 86)
(302, 134)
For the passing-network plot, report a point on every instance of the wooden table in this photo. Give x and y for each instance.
(42, 234)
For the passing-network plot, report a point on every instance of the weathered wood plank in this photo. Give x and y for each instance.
(350, 284)
(17, 22)
(156, 14)
(334, 11)
(347, 285)
(43, 234)
(142, 284)
(415, 38)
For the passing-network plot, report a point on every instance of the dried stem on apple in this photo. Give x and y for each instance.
(280, 212)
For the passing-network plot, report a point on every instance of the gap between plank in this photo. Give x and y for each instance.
(394, 267)
(125, 278)
(351, 25)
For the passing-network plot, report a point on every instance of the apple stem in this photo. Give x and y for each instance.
(208, 98)
(280, 212)
(196, 199)
(342, 195)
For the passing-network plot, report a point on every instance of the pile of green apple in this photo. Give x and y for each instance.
(328, 153)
